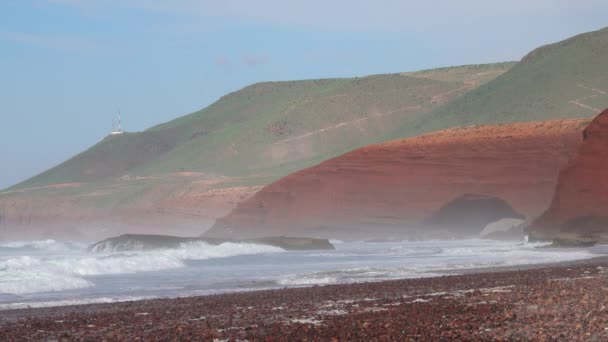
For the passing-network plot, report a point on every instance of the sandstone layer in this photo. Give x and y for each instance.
(183, 204)
(580, 204)
(390, 189)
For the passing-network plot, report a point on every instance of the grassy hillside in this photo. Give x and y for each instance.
(110, 157)
(270, 129)
(567, 79)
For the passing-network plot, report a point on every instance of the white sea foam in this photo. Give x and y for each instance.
(427, 259)
(21, 244)
(83, 301)
(26, 274)
(306, 279)
(350, 275)
(29, 274)
(47, 245)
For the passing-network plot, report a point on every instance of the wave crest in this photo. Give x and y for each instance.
(27, 274)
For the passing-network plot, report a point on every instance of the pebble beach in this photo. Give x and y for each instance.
(565, 302)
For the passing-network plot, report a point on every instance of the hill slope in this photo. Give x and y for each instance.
(567, 79)
(276, 127)
(272, 127)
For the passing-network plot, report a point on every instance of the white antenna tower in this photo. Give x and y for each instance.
(119, 122)
(117, 125)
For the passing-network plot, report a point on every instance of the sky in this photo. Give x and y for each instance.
(67, 66)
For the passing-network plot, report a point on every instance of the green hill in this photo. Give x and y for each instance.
(269, 129)
(567, 79)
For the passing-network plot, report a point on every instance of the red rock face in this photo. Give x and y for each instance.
(390, 188)
(582, 189)
(183, 206)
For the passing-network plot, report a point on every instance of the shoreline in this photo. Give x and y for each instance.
(601, 258)
(510, 301)
(601, 251)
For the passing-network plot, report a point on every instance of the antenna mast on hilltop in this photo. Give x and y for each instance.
(117, 125)
(119, 122)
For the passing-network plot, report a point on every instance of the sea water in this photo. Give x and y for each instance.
(50, 273)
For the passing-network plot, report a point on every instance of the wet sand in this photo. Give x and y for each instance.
(565, 302)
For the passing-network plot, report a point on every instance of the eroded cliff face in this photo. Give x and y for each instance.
(182, 204)
(580, 204)
(389, 189)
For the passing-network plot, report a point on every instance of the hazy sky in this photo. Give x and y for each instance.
(67, 65)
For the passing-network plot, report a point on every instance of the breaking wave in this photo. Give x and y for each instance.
(39, 245)
(32, 274)
(27, 274)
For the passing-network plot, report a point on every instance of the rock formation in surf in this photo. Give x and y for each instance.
(139, 242)
(504, 229)
(580, 203)
(390, 189)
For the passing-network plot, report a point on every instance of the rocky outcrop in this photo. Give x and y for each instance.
(390, 189)
(504, 229)
(573, 240)
(140, 242)
(580, 204)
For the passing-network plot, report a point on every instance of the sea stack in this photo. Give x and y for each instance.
(580, 203)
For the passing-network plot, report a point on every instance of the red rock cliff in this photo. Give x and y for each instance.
(581, 195)
(392, 187)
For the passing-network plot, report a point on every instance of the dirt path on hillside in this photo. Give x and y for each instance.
(347, 123)
(438, 99)
(579, 102)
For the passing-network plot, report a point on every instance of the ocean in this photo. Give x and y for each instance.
(51, 273)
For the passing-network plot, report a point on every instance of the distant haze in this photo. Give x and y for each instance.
(68, 66)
